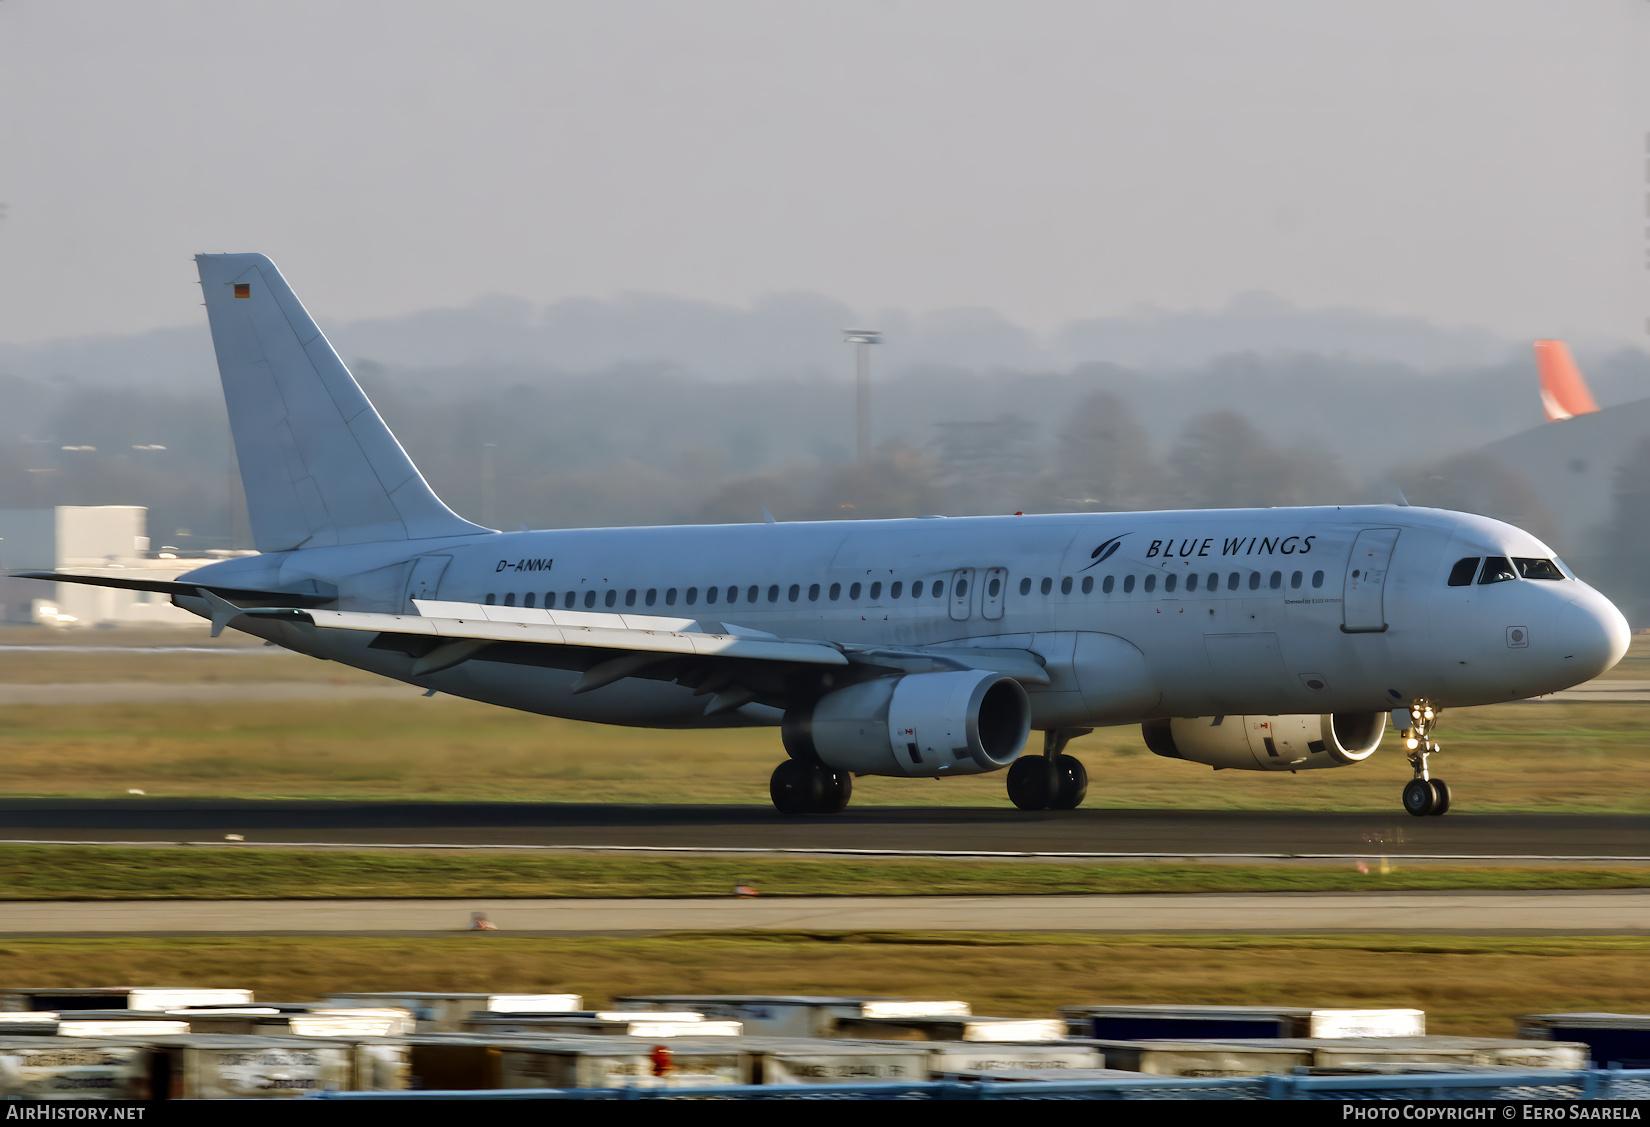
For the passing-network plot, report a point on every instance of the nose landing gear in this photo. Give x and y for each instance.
(1424, 796)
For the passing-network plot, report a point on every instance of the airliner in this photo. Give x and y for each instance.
(1277, 639)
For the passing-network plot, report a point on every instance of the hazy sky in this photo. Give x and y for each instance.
(1471, 161)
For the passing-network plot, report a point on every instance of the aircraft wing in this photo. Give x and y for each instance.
(736, 664)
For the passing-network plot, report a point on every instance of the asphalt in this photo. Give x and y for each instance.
(1625, 912)
(892, 829)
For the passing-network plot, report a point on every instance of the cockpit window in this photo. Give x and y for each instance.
(1497, 569)
(1461, 574)
(1537, 569)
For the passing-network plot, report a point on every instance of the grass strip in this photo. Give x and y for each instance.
(1469, 986)
(50, 872)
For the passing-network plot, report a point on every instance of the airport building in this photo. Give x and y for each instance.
(88, 540)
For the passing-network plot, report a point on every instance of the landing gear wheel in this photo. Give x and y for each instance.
(796, 788)
(809, 788)
(837, 787)
(1441, 789)
(1071, 784)
(1031, 783)
(1419, 797)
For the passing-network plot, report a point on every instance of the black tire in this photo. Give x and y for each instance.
(1440, 790)
(796, 788)
(1030, 783)
(1419, 797)
(1071, 784)
(836, 789)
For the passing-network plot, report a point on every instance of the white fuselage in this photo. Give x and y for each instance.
(1137, 615)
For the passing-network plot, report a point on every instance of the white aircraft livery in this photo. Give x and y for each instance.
(1259, 640)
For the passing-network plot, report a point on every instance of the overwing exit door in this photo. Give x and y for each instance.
(962, 593)
(1362, 611)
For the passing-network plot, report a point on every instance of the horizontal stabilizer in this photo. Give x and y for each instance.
(239, 595)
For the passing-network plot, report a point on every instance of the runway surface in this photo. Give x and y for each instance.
(1524, 913)
(957, 829)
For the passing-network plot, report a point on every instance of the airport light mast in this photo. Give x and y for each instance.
(862, 340)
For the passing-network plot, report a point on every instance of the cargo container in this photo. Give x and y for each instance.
(1174, 1023)
(1612, 1040)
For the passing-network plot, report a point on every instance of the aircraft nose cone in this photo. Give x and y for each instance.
(1592, 636)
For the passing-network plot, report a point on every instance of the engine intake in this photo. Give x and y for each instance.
(921, 725)
(1268, 743)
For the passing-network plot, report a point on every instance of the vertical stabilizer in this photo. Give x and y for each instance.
(1564, 394)
(319, 465)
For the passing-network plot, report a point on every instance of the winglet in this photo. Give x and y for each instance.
(767, 517)
(1564, 394)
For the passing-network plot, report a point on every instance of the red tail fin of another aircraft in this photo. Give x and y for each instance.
(1564, 394)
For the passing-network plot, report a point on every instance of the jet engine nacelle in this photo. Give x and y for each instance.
(1268, 743)
(922, 724)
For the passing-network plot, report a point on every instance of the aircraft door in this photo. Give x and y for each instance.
(425, 581)
(1361, 608)
(962, 593)
(996, 586)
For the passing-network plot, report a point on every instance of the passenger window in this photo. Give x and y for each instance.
(876, 591)
(1105, 588)
(571, 600)
(612, 597)
(1088, 584)
(1461, 574)
(1214, 582)
(813, 592)
(939, 589)
(590, 598)
(1276, 581)
(733, 595)
(773, 593)
(916, 589)
(549, 599)
(1047, 585)
(491, 599)
(1295, 581)
(710, 595)
(962, 588)
(1065, 585)
(1317, 579)
(750, 596)
(630, 597)
(1537, 569)
(1232, 581)
(528, 599)
(1191, 581)
(996, 587)
(692, 596)
(1025, 585)
(893, 592)
(1151, 582)
(853, 592)
(835, 592)
(1254, 581)
(796, 589)
(670, 597)
(510, 599)
(1497, 569)
(1168, 582)
(652, 596)
(1128, 584)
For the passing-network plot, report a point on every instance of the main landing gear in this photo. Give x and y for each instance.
(809, 788)
(1052, 780)
(1423, 795)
